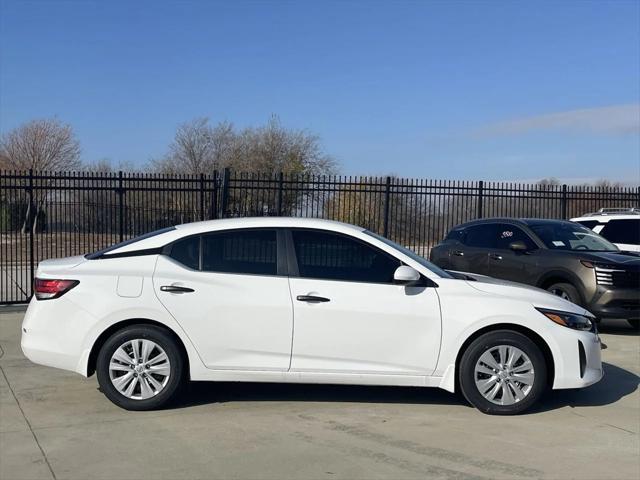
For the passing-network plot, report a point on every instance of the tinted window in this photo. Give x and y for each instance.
(506, 234)
(337, 257)
(622, 231)
(481, 236)
(187, 252)
(457, 235)
(240, 251)
(99, 253)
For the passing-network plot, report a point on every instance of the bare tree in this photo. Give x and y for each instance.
(44, 145)
(273, 148)
(198, 148)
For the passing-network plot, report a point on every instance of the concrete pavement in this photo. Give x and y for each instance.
(55, 424)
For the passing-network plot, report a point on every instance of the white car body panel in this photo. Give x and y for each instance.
(329, 336)
(368, 333)
(240, 322)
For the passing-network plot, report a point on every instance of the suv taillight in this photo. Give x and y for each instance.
(47, 288)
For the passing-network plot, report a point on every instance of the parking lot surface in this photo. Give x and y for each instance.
(56, 424)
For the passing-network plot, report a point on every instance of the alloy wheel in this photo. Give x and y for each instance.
(139, 369)
(504, 375)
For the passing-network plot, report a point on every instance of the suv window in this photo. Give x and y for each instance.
(507, 233)
(622, 231)
(240, 251)
(481, 236)
(187, 252)
(337, 257)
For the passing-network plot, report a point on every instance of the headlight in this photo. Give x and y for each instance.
(566, 319)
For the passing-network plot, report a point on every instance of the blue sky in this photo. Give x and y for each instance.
(461, 90)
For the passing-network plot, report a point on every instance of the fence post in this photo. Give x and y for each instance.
(279, 198)
(214, 197)
(121, 205)
(563, 202)
(31, 221)
(387, 196)
(201, 196)
(480, 198)
(225, 192)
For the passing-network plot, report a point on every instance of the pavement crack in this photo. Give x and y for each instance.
(44, 455)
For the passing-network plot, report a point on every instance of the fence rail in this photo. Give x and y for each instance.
(55, 214)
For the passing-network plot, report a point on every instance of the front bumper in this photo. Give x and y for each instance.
(580, 364)
(616, 303)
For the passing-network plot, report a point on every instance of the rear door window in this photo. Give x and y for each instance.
(481, 236)
(251, 252)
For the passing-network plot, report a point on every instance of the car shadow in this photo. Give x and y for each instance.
(616, 384)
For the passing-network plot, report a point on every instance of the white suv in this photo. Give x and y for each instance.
(621, 226)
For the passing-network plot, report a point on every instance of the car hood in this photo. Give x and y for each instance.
(518, 291)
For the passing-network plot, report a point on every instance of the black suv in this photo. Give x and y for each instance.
(562, 257)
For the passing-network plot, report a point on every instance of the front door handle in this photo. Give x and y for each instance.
(312, 299)
(458, 253)
(176, 289)
(495, 256)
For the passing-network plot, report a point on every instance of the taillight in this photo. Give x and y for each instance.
(46, 288)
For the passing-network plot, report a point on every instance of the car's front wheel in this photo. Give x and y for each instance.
(503, 373)
(140, 367)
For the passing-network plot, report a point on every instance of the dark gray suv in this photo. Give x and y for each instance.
(562, 257)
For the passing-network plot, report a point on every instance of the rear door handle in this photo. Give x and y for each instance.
(176, 289)
(312, 299)
(458, 253)
(495, 256)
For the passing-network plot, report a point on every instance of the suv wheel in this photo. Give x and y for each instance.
(502, 373)
(140, 367)
(566, 291)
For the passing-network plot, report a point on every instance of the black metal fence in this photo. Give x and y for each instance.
(55, 214)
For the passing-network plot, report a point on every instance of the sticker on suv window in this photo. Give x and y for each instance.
(506, 234)
(558, 243)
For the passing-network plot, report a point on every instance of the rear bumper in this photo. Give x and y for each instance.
(53, 334)
(616, 303)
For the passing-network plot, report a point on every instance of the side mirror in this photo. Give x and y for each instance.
(518, 246)
(405, 275)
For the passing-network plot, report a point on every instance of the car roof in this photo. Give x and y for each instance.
(265, 222)
(186, 229)
(606, 218)
(523, 222)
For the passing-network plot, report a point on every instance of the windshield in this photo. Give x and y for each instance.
(572, 236)
(411, 254)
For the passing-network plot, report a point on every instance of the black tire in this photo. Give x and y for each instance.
(478, 347)
(162, 338)
(635, 323)
(568, 290)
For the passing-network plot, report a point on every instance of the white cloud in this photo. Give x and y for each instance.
(612, 120)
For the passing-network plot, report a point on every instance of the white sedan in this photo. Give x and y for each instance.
(304, 301)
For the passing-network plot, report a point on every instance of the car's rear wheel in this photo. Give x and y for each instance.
(140, 367)
(502, 373)
(566, 291)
